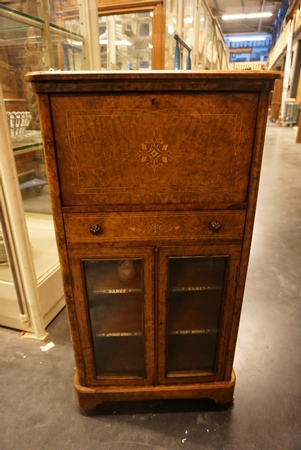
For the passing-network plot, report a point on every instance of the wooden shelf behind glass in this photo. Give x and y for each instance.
(102, 277)
(194, 312)
(116, 315)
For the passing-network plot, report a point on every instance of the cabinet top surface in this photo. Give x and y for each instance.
(71, 81)
(149, 74)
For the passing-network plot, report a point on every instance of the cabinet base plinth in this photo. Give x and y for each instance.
(219, 391)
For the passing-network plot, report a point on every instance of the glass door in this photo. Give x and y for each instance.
(115, 288)
(126, 41)
(132, 35)
(194, 297)
(29, 42)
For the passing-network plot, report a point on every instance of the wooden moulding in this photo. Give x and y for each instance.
(101, 81)
(222, 392)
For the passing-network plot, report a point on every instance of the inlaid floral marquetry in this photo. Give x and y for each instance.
(116, 227)
(154, 228)
(154, 153)
(169, 156)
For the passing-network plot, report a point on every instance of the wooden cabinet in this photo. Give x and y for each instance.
(154, 179)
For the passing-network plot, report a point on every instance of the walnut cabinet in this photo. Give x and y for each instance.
(154, 179)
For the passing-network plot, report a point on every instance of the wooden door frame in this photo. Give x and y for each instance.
(158, 8)
(86, 367)
(230, 303)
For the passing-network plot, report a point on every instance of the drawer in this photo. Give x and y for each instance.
(146, 226)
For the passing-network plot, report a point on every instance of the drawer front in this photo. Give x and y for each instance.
(147, 226)
(154, 149)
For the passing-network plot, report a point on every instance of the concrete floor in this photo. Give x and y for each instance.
(38, 409)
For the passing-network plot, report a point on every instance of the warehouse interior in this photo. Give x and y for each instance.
(37, 363)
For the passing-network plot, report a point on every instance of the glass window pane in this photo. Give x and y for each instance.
(68, 53)
(115, 300)
(126, 41)
(65, 14)
(25, 7)
(22, 52)
(196, 287)
(32, 178)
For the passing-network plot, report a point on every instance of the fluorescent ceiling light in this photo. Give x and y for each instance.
(234, 16)
(247, 38)
(259, 15)
(246, 16)
(120, 42)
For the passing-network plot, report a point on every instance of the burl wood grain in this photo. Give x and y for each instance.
(154, 227)
(183, 149)
(153, 158)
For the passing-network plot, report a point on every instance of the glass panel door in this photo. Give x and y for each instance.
(192, 305)
(28, 44)
(195, 294)
(115, 299)
(114, 287)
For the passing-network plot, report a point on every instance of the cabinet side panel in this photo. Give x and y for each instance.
(54, 188)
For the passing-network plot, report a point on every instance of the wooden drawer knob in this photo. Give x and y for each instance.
(215, 226)
(95, 229)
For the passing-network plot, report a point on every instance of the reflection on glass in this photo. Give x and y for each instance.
(115, 299)
(30, 165)
(126, 41)
(196, 286)
(25, 7)
(26, 48)
(22, 52)
(196, 26)
(67, 53)
(64, 14)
